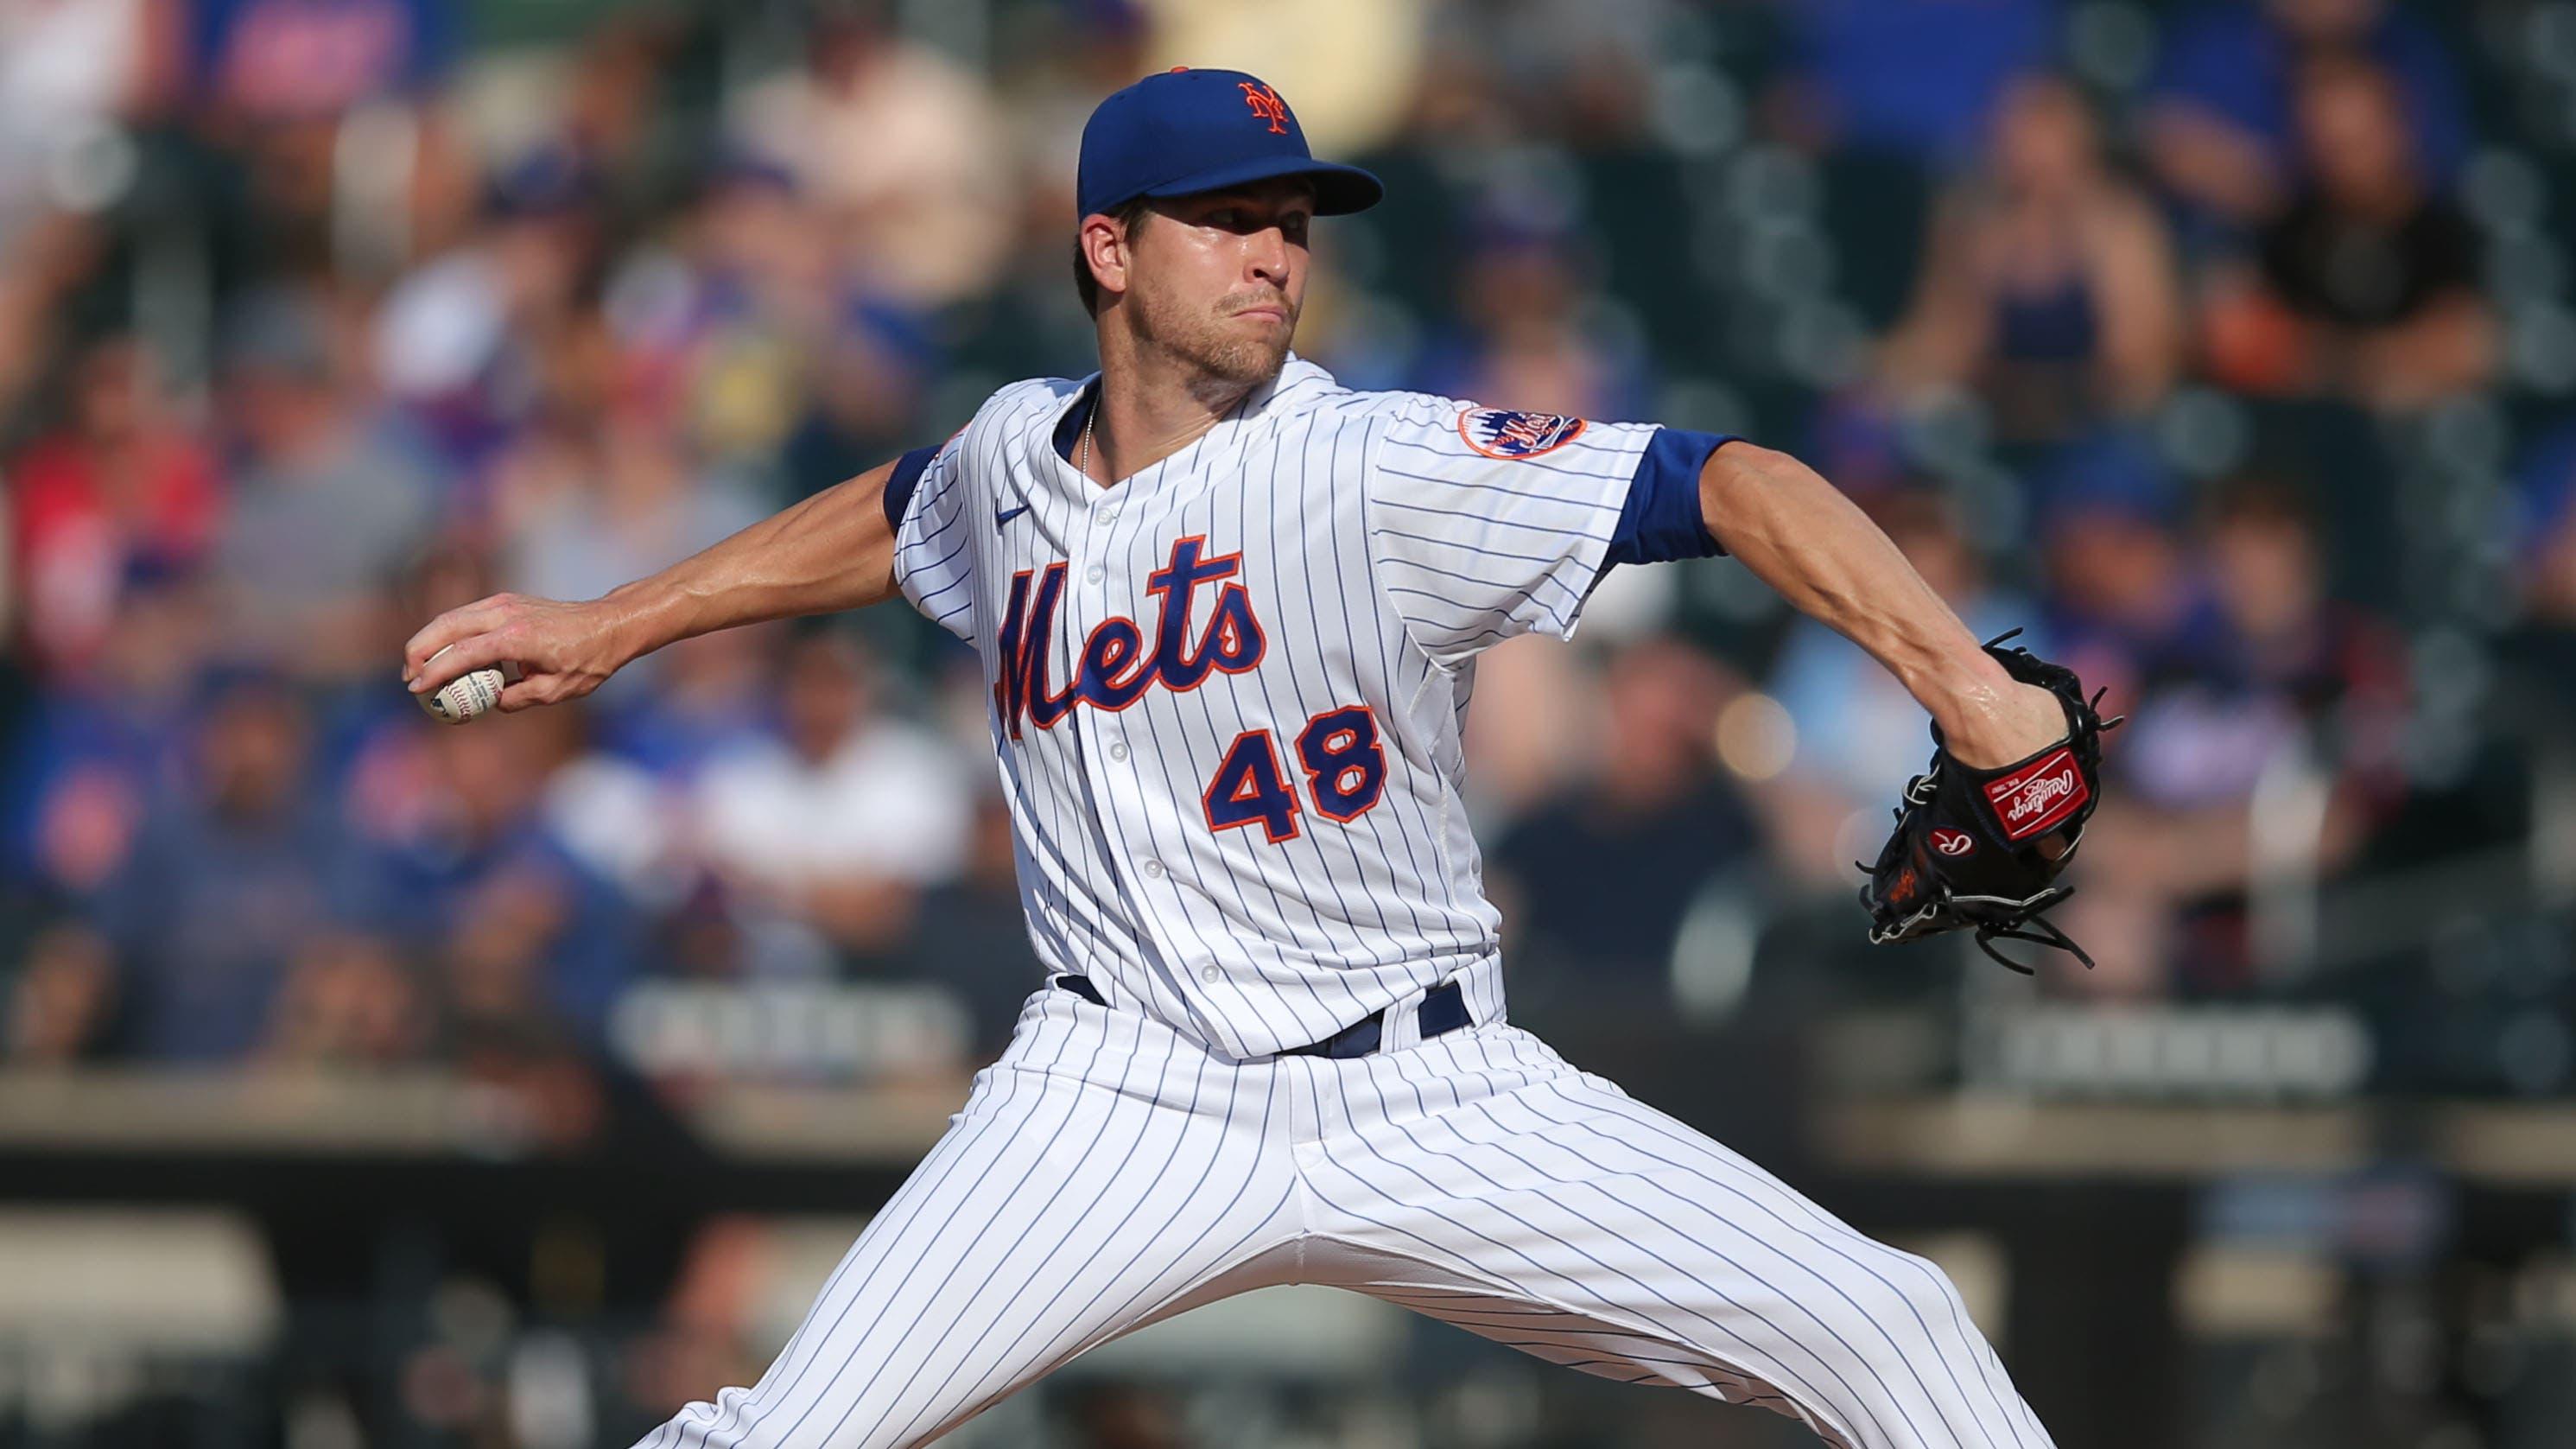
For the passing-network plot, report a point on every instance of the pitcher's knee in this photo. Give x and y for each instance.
(746, 1419)
(733, 1420)
(1928, 1289)
(701, 1424)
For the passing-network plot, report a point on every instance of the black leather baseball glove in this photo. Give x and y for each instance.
(1970, 847)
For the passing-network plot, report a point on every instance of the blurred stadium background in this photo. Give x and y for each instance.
(366, 1084)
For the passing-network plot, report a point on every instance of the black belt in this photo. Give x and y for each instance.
(1443, 1009)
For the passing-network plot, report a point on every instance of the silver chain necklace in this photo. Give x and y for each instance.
(1082, 453)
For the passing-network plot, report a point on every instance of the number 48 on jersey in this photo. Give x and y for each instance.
(1345, 768)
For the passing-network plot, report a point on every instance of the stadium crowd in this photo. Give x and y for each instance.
(2172, 334)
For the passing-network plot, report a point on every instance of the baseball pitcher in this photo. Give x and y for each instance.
(1230, 612)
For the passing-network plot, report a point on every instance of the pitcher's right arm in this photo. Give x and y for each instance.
(833, 551)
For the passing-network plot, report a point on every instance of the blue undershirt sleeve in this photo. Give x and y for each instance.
(1661, 520)
(906, 477)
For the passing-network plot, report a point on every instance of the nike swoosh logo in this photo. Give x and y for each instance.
(1004, 516)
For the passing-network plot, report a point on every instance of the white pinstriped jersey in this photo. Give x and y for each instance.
(1227, 692)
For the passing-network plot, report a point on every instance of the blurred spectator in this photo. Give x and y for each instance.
(2539, 648)
(1066, 59)
(51, 257)
(713, 1316)
(866, 399)
(903, 153)
(1907, 77)
(1118, 1414)
(1575, 70)
(1858, 734)
(1523, 340)
(615, 816)
(348, 1000)
(117, 484)
(756, 323)
(1529, 726)
(226, 882)
(2221, 121)
(526, 986)
(826, 836)
(462, 338)
(296, 60)
(768, 298)
(602, 508)
(2117, 571)
(617, 100)
(2048, 284)
(2274, 632)
(2369, 279)
(973, 937)
(2280, 682)
(531, 947)
(703, 697)
(62, 1003)
(329, 502)
(271, 81)
(1595, 882)
(100, 749)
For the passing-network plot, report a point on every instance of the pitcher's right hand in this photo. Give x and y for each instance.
(563, 650)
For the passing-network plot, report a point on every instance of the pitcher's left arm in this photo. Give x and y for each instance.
(1800, 535)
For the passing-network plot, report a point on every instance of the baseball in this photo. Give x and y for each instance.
(468, 695)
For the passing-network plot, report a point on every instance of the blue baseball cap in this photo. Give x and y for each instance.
(1187, 131)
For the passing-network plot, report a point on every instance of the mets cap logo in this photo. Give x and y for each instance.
(1507, 433)
(1266, 106)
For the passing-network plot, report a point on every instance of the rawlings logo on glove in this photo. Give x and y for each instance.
(1969, 850)
(2040, 798)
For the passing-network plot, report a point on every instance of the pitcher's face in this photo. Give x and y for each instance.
(1217, 279)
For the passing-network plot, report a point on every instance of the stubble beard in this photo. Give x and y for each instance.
(1222, 362)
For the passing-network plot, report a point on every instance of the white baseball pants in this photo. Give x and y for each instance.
(1106, 1173)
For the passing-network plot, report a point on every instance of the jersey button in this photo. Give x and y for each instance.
(1211, 975)
(1154, 870)
(1106, 513)
(1117, 752)
(1095, 573)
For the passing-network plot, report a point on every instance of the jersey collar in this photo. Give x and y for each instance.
(1065, 431)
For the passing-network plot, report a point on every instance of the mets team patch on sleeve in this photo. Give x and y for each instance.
(1507, 433)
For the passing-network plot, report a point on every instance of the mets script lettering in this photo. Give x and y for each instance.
(1114, 669)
